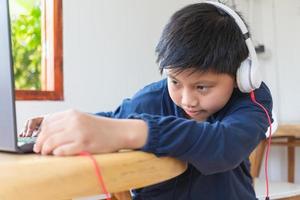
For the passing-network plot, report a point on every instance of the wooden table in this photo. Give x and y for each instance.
(48, 177)
(291, 130)
(288, 135)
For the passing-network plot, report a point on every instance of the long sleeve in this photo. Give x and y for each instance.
(217, 145)
(211, 147)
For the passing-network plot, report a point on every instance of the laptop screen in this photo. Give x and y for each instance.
(7, 93)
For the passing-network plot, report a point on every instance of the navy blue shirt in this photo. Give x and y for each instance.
(216, 150)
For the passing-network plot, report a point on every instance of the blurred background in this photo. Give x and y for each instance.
(108, 54)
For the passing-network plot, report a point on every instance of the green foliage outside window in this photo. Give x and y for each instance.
(26, 43)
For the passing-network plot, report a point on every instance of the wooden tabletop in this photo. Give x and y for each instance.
(48, 177)
(292, 130)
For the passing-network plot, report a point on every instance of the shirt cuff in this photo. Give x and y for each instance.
(153, 132)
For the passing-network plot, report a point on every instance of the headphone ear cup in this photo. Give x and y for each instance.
(243, 76)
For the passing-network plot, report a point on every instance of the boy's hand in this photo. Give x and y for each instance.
(31, 127)
(71, 132)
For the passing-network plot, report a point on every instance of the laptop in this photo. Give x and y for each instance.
(8, 128)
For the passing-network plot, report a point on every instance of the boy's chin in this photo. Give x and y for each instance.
(198, 118)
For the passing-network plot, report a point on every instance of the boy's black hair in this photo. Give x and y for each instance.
(204, 38)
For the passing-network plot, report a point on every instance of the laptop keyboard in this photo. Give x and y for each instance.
(26, 144)
(26, 140)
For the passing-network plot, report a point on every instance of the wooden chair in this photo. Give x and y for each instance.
(288, 135)
(277, 190)
(122, 196)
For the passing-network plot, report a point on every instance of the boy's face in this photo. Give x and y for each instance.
(199, 94)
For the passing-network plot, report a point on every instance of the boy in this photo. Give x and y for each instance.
(198, 114)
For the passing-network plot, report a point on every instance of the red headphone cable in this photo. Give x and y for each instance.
(97, 172)
(252, 95)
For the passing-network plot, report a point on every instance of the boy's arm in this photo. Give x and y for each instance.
(71, 132)
(210, 147)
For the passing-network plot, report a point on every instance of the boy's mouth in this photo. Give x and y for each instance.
(194, 112)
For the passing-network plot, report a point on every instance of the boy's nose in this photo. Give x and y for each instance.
(188, 100)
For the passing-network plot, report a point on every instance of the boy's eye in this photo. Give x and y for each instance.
(202, 88)
(174, 82)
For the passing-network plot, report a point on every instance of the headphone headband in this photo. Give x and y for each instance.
(248, 76)
(231, 13)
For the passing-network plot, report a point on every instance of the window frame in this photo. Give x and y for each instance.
(52, 55)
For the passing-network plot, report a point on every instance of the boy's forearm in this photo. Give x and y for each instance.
(132, 132)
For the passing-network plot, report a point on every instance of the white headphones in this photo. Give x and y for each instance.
(248, 76)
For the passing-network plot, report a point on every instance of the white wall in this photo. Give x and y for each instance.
(109, 54)
(277, 25)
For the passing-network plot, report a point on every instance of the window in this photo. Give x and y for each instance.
(37, 49)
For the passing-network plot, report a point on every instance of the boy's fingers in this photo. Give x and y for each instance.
(36, 132)
(24, 130)
(29, 129)
(50, 124)
(67, 149)
(45, 133)
(31, 126)
(53, 142)
(40, 139)
(21, 133)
